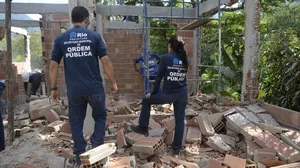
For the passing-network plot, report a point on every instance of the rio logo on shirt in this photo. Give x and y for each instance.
(176, 61)
(77, 35)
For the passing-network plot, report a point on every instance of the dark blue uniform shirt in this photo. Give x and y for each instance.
(80, 49)
(173, 71)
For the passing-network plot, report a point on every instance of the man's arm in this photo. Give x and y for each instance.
(159, 76)
(53, 73)
(26, 87)
(108, 68)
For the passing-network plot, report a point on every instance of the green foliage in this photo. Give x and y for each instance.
(18, 49)
(232, 55)
(280, 63)
(36, 51)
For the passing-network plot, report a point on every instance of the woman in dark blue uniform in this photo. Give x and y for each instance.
(173, 69)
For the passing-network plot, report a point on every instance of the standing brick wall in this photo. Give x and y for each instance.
(50, 30)
(122, 47)
(187, 36)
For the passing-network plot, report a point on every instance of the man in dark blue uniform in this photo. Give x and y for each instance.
(173, 68)
(153, 67)
(2, 138)
(81, 49)
(34, 78)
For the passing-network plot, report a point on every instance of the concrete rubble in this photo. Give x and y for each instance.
(230, 136)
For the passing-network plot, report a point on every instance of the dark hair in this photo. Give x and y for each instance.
(79, 14)
(177, 45)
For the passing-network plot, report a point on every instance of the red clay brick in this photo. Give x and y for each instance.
(66, 128)
(147, 145)
(217, 164)
(234, 162)
(121, 142)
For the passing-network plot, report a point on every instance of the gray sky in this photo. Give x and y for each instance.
(39, 1)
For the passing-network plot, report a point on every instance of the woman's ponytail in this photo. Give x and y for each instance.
(177, 45)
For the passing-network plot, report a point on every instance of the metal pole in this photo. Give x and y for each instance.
(9, 71)
(220, 51)
(145, 50)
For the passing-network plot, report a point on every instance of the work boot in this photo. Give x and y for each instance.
(176, 153)
(139, 129)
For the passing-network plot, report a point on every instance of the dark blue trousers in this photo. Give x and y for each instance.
(179, 101)
(2, 138)
(77, 113)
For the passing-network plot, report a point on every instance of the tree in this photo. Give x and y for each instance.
(36, 51)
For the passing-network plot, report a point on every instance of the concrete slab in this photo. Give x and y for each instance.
(251, 116)
(266, 139)
(256, 109)
(285, 117)
(238, 119)
(268, 119)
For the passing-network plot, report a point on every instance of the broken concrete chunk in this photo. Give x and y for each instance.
(25, 122)
(251, 147)
(256, 109)
(215, 109)
(52, 116)
(193, 135)
(40, 112)
(205, 126)
(133, 137)
(160, 132)
(237, 119)
(56, 162)
(26, 165)
(264, 154)
(23, 116)
(148, 165)
(250, 131)
(121, 142)
(190, 112)
(192, 150)
(55, 126)
(227, 139)
(148, 145)
(217, 164)
(234, 162)
(103, 151)
(269, 163)
(124, 162)
(178, 162)
(38, 123)
(218, 144)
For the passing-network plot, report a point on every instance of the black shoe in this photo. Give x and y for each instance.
(139, 129)
(176, 153)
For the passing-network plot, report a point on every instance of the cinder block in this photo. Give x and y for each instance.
(98, 154)
(38, 123)
(133, 137)
(147, 145)
(193, 135)
(52, 116)
(218, 144)
(205, 126)
(234, 162)
(160, 132)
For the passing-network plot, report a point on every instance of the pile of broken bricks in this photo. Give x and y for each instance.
(231, 136)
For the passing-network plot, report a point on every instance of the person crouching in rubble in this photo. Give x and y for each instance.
(35, 79)
(173, 68)
(2, 138)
